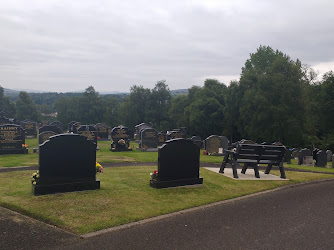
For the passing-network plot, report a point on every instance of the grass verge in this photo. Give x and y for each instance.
(125, 196)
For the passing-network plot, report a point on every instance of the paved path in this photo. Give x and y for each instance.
(299, 217)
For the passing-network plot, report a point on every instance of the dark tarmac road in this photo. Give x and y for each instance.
(295, 217)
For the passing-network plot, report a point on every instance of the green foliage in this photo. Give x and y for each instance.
(6, 105)
(271, 106)
(26, 108)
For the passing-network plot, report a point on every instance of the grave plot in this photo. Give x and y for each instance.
(67, 162)
(178, 164)
(12, 140)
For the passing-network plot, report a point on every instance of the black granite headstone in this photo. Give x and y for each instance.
(120, 139)
(225, 142)
(161, 138)
(89, 132)
(302, 153)
(197, 140)
(58, 124)
(314, 153)
(75, 127)
(321, 159)
(287, 156)
(67, 162)
(30, 128)
(138, 128)
(178, 164)
(102, 131)
(70, 126)
(174, 134)
(44, 136)
(12, 139)
(148, 138)
(50, 128)
(4, 120)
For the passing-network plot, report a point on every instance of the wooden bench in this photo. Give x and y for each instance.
(251, 155)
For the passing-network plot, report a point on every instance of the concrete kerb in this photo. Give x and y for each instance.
(165, 216)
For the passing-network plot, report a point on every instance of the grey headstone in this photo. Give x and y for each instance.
(212, 144)
(148, 138)
(321, 159)
(329, 155)
(302, 153)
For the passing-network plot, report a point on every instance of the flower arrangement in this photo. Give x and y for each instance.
(98, 137)
(35, 178)
(154, 175)
(99, 168)
(24, 145)
(121, 142)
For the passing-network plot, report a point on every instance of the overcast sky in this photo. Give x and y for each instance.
(62, 46)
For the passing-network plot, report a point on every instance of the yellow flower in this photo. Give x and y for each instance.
(34, 183)
(37, 176)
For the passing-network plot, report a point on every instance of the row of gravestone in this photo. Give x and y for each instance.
(67, 162)
(317, 157)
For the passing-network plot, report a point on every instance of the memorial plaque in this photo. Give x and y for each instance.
(212, 144)
(89, 132)
(148, 138)
(67, 162)
(178, 164)
(44, 136)
(12, 139)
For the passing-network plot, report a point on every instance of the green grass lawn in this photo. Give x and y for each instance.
(104, 155)
(125, 196)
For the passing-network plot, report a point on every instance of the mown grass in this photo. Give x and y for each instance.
(125, 196)
(104, 155)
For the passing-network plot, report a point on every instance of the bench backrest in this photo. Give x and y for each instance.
(274, 154)
(249, 151)
(260, 153)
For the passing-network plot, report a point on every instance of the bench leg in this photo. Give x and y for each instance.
(234, 167)
(256, 171)
(281, 169)
(268, 168)
(225, 160)
(244, 168)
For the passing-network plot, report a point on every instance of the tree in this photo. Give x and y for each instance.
(6, 105)
(159, 104)
(26, 108)
(67, 109)
(91, 107)
(272, 90)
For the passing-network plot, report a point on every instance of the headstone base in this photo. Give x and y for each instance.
(120, 149)
(175, 183)
(14, 151)
(65, 187)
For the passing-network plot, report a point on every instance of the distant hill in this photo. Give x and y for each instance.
(50, 97)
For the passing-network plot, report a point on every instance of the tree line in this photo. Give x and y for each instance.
(275, 99)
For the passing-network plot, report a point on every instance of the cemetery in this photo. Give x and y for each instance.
(172, 174)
